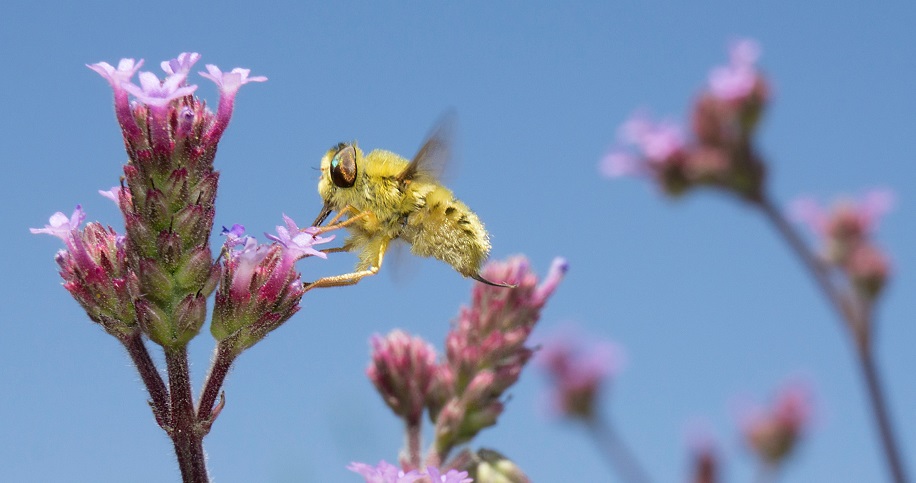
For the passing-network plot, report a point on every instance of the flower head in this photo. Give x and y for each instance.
(846, 231)
(298, 243)
(578, 367)
(772, 433)
(260, 288)
(95, 271)
(486, 348)
(403, 370)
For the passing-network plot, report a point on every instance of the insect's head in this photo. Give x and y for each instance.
(342, 167)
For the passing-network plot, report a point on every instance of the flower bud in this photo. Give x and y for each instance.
(156, 283)
(168, 249)
(196, 271)
(155, 322)
(492, 467)
(191, 314)
(402, 370)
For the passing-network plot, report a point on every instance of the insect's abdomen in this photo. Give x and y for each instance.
(446, 229)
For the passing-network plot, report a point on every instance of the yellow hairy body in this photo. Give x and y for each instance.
(420, 211)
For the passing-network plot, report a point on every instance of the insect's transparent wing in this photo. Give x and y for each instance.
(435, 155)
(402, 266)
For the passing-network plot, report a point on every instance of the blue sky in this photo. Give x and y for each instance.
(709, 304)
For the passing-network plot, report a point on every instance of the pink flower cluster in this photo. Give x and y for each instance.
(846, 230)
(772, 433)
(485, 354)
(385, 472)
(577, 369)
(95, 272)
(720, 153)
(260, 288)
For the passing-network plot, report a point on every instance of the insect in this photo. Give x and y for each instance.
(386, 197)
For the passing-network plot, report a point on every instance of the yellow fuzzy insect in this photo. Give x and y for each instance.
(386, 197)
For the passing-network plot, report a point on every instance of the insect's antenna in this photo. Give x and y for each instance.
(480, 279)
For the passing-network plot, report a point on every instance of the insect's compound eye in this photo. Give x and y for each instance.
(343, 167)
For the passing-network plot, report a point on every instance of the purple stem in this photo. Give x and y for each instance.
(159, 395)
(612, 447)
(188, 442)
(857, 322)
(222, 361)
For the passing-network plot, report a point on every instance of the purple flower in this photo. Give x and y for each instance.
(738, 79)
(180, 65)
(117, 77)
(384, 472)
(452, 476)
(657, 141)
(159, 94)
(235, 232)
(846, 216)
(116, 193)
(229, 84)
(61, 226)
(298, 243)
(244, 262)
(646, 147)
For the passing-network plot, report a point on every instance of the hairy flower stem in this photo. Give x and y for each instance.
(159, 395)
(187, 439)
(412, 431)
(222, 361)
(618, 455)
(856, 318)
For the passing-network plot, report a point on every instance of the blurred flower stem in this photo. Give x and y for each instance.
(856, 315)
(615, 450)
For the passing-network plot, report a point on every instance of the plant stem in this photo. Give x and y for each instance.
(882, 418)
(818, 269)
(222, 361)
(188, 443)
(159, 395)
(620, 457)
(856, 319)
(412, 431)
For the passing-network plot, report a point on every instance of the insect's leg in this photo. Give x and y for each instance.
(339, 214)
(353, 277)
(344, 223)
(344, 248)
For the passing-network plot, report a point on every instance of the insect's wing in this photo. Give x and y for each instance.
(431, 160)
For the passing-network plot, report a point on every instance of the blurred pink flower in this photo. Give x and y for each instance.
(577, 367)
(773, 432)
(738, 79)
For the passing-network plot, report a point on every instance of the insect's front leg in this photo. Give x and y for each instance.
(353, 277)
